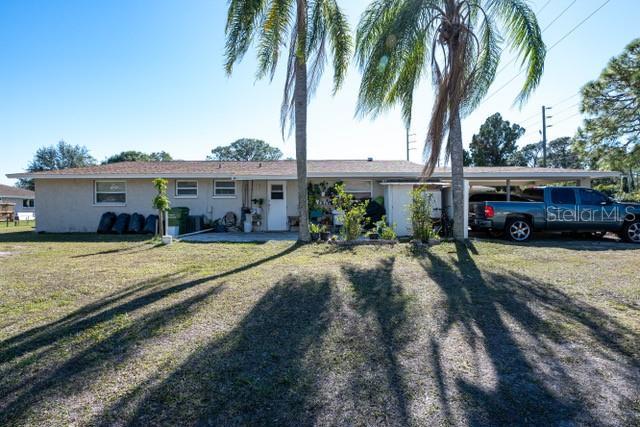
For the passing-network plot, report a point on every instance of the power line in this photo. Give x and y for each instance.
(560, 15)
(578, 25)
(568, 108)
(550, 48)
(564, 119)
(542, 32)
(566, 99)
(543, 6)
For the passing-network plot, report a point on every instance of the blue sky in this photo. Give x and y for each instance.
(147, 75)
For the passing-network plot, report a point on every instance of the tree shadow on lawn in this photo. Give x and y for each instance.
(71, 376)
(93, 314)
(32, 236)
(382, 302)
(22, 385)
(260, 373)
(500, 317)
(145, 246)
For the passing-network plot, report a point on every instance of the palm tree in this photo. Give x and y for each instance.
(461, 42)
(306, 28)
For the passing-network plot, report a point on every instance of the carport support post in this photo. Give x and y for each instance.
(508, 190)
(585, 182)
(466, 208)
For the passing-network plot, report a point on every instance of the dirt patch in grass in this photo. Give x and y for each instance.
(108, 332)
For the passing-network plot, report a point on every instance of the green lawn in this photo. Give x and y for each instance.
(22, 227)
(99, 331)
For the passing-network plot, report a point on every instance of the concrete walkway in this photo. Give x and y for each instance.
(241, 237)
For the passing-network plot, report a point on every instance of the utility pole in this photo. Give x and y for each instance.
(544, 135)
(409, 142)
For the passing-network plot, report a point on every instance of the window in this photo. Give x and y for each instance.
(187, 189)
(359, 189)
(496, 197)
(563, 196)
(592, 197)
(224, 188)
(110, 192)
(277, 192)
(27, 203)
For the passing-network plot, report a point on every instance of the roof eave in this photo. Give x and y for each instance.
(213, 176)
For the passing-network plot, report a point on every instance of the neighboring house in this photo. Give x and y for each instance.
(24, 200)
(73, 200)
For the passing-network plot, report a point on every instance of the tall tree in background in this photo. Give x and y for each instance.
(611, 131)
(54, 157)
(561, 154)
(496, 142)
(530, 156)
(306, 29)
(246, 150)
(138, 156)
(461, 42)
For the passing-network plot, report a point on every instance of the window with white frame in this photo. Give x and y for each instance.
(110, 193)
(359, 189)
(187, 189)
(28, 203)
(224, 188)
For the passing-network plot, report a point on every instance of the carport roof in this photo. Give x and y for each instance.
(286, 169)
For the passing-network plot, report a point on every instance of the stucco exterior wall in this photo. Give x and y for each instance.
(67, 205)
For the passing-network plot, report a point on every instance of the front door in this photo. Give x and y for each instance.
(277, 214)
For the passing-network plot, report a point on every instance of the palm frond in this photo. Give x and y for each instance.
(275, 28)
(242, 17)
(287, 110)
(524, 35)
(399, 34)
(339, 39)
(484, 71)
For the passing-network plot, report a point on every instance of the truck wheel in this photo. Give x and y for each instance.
(518, 230)
(631, 232)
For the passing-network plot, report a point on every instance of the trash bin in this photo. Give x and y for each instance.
(178, 218)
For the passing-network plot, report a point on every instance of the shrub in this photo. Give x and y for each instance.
(384, 230)
(629, 197)
(161, 202)
(353, 214)
(314, 228)
(608, 189)
(420, 211)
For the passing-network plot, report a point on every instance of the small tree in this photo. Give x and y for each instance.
(161, 202)
(353, 213)
(55, 157)
(246, 150)
(420, 209)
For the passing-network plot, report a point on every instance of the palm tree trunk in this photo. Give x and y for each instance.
(300, 102)
(457, 174)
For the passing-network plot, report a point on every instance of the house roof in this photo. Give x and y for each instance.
(15, 192)
(286, 169)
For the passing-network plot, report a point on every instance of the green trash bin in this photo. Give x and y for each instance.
(178, 218)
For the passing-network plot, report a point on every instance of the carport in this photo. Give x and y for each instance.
(397, 193)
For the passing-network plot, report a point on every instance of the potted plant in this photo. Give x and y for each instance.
(325, 234)
(314, 229)
(259, 202)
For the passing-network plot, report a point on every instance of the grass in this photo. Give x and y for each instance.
(23, 226)
(96, 330)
